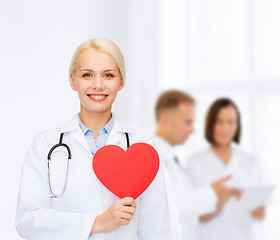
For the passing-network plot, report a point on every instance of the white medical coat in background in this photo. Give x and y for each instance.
(185, 203)
(205, 167)
(40, 217)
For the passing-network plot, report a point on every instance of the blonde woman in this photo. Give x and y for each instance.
(67, 202)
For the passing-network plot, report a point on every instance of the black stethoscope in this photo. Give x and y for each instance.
(61, 144)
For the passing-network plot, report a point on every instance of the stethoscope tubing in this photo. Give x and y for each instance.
(61, 144)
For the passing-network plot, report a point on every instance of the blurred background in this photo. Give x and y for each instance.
(209, 49)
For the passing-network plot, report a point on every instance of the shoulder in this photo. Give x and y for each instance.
(200, 156)
(199, 161)
(41, 144)
(243, 155)
(134, 134)
(44, 136)
(245, 158)
(52, 135)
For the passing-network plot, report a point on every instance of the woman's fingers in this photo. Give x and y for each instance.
(128, 209)
(129, 206)
(128, 201)
(124, 222)
(258, 213)
(126, 216)
(133, 204)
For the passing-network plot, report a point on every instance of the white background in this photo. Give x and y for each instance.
(207, 48)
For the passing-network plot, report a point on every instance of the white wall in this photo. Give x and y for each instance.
(231, 48)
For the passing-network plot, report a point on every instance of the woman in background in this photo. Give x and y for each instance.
(223, 128)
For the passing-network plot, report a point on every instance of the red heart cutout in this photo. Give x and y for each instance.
(126, 173)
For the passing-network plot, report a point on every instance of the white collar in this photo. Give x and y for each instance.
(73, 127)
(73, 124)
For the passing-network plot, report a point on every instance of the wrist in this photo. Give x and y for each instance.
(97, 226)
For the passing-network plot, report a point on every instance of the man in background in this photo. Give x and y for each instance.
(175, 116)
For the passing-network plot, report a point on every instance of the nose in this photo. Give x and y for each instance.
(97, 83)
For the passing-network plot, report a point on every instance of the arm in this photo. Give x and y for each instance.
(224, 195)
(35, 219)
(197, 202)
(222, 201)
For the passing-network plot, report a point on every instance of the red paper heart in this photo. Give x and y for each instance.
(126, 173)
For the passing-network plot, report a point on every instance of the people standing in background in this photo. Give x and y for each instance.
(222, 129)
(175, 116)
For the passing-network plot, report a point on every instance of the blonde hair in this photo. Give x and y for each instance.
(102, 45)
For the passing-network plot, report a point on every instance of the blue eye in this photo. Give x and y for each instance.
(86, 75)
(109, 75)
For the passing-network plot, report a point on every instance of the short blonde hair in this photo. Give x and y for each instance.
(102, 45)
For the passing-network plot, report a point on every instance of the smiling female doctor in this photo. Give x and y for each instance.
(86, 209)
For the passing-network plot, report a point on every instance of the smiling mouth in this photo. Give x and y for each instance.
(97, 97)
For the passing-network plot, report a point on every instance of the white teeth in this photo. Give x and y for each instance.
(98, 96)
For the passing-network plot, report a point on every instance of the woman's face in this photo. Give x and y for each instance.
(226, 126)
(97, 80)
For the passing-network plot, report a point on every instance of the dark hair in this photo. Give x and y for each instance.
(212, 117)
(172, 99)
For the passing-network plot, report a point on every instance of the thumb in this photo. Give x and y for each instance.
(127, 201)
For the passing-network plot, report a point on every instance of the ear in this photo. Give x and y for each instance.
(72, 83)
(121, 85)
(163, 116)
(169, 115)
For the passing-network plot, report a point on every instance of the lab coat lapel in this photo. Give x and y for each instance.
(79, 136)
(117, 136)
(72, 126)
(114, 138)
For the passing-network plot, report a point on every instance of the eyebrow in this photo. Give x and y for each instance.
(89, 70)
(84, 70)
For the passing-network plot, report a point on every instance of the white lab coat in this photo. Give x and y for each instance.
(71, 217)
(185, 203)
(205, 167)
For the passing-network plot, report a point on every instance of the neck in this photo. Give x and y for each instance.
(162, 134)
(95, 120)
(224, 152)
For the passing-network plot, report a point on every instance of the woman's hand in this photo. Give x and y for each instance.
(225, 195)
(120, 213)
(237, 193)
(219, 187)
(258, 213)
